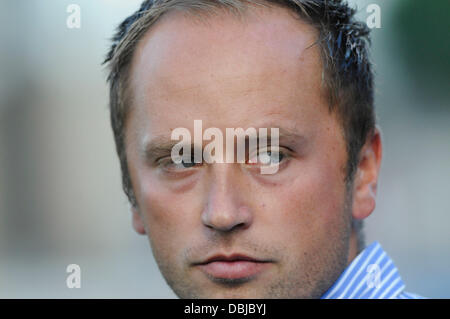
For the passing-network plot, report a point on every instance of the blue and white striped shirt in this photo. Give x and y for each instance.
(371, 275)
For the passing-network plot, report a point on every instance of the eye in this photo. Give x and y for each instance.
(271, 157)
(186, 163)
(268, 157)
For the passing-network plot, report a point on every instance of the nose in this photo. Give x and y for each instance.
(225, 209)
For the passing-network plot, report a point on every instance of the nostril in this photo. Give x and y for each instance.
(223, 222)
(228, 228)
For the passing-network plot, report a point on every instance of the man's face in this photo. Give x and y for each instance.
(294, 225)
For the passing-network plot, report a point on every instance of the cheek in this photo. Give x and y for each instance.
(324, 187)
(167, 216)
(162, 210)
(312, 203)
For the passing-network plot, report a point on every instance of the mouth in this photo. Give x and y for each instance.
(233, 267)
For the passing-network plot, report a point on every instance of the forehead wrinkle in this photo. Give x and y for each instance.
(177, 90)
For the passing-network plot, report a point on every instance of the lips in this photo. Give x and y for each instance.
(235, 266)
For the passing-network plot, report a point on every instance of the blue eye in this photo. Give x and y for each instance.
(271, 157)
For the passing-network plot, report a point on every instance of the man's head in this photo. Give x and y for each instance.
(300, 66)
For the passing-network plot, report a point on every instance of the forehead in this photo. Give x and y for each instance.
(227, 71)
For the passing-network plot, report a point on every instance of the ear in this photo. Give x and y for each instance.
(366, 177)
(138, 223)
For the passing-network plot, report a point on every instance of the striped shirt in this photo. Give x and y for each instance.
(371, 275)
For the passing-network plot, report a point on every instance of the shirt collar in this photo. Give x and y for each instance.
(371, 275)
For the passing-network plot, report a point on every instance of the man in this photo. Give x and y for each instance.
(224, 230)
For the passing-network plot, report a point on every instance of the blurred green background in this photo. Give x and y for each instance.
(60, 194)
(421, 34)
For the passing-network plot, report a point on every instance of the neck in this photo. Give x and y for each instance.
(353, 247)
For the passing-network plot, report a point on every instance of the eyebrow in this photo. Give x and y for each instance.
(158, 147)
(286, 134)
(161, 146)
